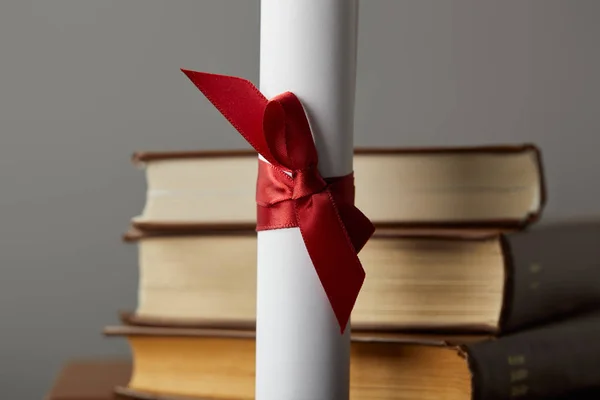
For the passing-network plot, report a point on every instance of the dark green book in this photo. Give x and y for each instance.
(551, 361)
(552, 271)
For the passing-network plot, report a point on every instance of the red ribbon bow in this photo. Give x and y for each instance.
(290, 190)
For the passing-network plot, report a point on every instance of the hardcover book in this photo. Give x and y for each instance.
(466, 280)
(453, 186)
(548, 361)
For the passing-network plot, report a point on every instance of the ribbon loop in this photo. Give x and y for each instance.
(288, 134)
(332, 228)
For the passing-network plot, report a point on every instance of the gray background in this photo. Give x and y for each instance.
(83, 83)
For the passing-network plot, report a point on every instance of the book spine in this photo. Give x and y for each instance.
(550, 361)
(550, 274)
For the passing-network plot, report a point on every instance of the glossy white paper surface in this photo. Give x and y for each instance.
(308, 47)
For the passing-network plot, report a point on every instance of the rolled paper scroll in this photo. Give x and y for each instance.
(290, 190)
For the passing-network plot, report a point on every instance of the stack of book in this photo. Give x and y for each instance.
(461, 301)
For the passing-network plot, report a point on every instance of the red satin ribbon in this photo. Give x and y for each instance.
(290, 190)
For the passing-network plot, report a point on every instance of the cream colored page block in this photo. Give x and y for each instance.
(178, 279)
(202, 189)
(411, 282)
(446, 186)
(431, 283)
(388, 188)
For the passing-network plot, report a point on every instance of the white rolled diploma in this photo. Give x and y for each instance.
(307, 47)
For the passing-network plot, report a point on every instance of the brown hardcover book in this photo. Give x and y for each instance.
(452, 186)
(90, 379)
(442, 280)
(99, 379)
(543, 363)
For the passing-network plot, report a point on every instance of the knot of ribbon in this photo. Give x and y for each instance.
(290, 189)
(307, 182)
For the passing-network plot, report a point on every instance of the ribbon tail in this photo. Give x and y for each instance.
(240, 102)
(332, 253)
(359, 227)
